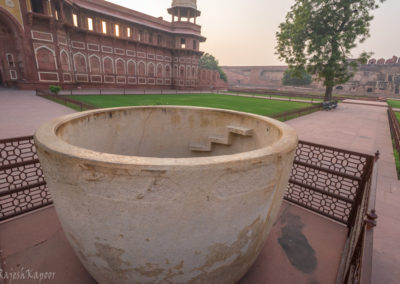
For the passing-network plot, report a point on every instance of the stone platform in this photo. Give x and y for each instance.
(302, 248)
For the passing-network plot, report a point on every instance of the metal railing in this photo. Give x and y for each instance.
(297, 112)
(65, 100)
(356, 264)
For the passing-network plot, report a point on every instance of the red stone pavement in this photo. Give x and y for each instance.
(21, 112)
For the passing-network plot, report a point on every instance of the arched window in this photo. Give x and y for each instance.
(80, 63)
(120, 66)
(46, 59)
(159, 70)
(150, 70)
(94, 64)
(131, 68)
(65, 64)
(108, 66)
(168, 71)
(142, 68)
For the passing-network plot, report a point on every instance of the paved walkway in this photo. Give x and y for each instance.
(368, 103)
(21, 112)
(365, 129)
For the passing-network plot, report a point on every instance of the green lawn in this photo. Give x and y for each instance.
(252, 105)
(397, 114)
(394, 104)
(396, 154)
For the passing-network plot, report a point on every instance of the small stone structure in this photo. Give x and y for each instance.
(166, 194)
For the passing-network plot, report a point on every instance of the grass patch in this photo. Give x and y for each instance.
(394, 104)
(397, 114)
(396, 158)
(251, 105)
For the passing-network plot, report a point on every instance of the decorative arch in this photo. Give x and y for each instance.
(142, 68)
(11, 22)
(80, 63)
(120, 66)
(65, 62)
(160, 70)
(151, 69)
(108, 65)
(14, 42)
(95, 64)
(131, 67)
(182, 72)
(45, 58)
(168, 70)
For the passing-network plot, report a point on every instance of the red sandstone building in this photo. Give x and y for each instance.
(94, 43)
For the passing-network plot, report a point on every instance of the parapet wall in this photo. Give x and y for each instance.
(371, 79)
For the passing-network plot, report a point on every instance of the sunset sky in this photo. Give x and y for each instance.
(242, 32)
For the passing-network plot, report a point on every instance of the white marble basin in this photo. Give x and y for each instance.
(166, 194)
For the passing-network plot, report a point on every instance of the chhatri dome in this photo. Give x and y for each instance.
(185, 3)
(184, 9)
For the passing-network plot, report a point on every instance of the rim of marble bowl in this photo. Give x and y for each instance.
(47, 138)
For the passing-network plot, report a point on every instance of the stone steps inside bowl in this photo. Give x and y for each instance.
(221, 140)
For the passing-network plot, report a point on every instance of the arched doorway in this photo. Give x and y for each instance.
(10, 50)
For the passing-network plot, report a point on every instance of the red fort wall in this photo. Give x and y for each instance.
(98, 44)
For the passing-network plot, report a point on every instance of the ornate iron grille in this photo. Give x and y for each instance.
(328, 180)
(22, 184)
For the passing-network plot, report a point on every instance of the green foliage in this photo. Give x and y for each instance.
(394, 104)
(396, 158)
(318, 36)
(296, 78)
(207, 61)
(54, 89)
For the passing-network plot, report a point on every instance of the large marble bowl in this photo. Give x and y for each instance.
(166, 194)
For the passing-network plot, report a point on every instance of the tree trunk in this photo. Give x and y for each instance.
(328, 94)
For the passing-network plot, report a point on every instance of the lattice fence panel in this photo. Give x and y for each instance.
(22, 184)
(328, 180)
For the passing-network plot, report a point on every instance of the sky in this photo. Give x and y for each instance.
(242, 32)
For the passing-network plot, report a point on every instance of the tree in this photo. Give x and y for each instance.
(207, 61)
(299, 78)
(318, 36)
